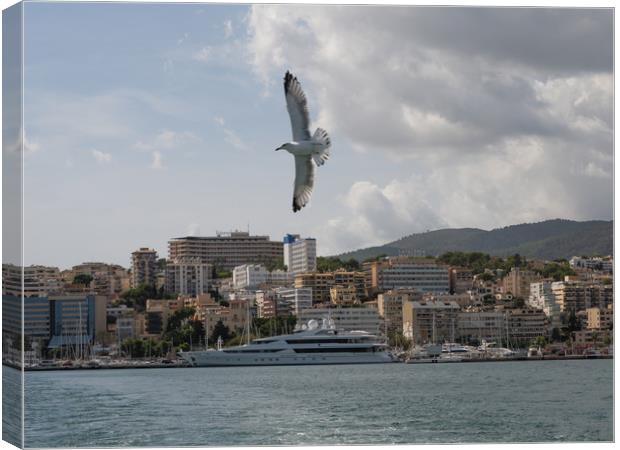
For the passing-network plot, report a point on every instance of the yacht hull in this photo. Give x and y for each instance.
(223, 359)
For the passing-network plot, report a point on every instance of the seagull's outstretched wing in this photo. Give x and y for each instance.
(297, 108)
(304, 181)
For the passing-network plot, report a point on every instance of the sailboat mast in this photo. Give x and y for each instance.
(206, 330)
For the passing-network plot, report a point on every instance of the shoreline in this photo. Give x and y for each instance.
(424, 361)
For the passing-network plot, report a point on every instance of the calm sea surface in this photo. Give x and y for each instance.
(305, 405)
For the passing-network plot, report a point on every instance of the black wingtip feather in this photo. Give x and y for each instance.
(288, 79)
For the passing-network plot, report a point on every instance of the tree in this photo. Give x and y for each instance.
(277, 264)
(223, 274)
(375, 258)
(133, 347)
(138, 296)
(184, 346)
(486, 276)
(556, 270)
(182, 328)
(595, 336)
(573, 323)
(83, 279)
(178, 317)
(274, 326)
(398, 340)
(220, 330)
(538, 341)
(556, 335)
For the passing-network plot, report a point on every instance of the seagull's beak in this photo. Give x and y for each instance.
(279, 148)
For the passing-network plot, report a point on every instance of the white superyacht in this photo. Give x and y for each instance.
(309, 345)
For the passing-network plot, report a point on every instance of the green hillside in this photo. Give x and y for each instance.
(551, 239)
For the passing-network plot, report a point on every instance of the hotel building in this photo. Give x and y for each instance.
(227, 250)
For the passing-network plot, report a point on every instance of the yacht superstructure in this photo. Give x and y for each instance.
(310, 345)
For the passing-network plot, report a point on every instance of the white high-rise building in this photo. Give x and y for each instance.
(541, 297)
(249, 276)
(299, 254)
(252, 276)
(296, 298)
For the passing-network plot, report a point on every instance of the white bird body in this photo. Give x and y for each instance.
(304, 147)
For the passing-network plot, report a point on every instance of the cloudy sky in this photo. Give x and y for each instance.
(149, 121)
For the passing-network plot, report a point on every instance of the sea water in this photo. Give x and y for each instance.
(533, 401)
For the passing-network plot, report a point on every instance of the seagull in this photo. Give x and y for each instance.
(303, 147)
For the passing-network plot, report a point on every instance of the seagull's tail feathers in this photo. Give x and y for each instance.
(321, 135)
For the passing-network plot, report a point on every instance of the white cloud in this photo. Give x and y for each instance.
(204, 54)
(183, 38)
(167, 139)
(228, 29)
(496, 127)
(157, 161)
(193, 229)
(231, 136)
(101, 157)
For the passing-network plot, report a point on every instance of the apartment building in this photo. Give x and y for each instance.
(525, 324)
(108, 279)
(299, 254)
(38, 281)
(421, 274)
(431, 321)
(189, 276)
(542, 297)
(254, 276)
(461, 280)
(595, 263)
(322, 282)
(227, 250)
(157, 313)
(477, 325)
(518, 281)
(390, 307)
(143, 267)
(579, 296)
(235, 316)
(600, 319)
(343, 295)
(296, 299)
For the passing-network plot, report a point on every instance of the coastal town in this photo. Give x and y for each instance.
(225, 290)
